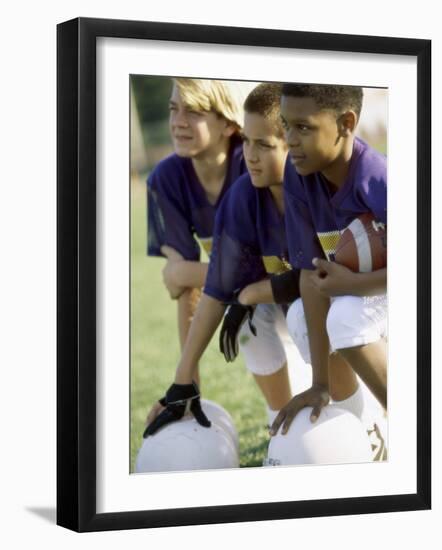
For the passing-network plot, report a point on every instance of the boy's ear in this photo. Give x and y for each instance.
(347, 123)
(229, 129)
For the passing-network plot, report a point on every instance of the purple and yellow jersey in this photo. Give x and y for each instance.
(316, 216)
(249, 241)
(177, 204)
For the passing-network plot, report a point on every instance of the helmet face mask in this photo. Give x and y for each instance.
(337, 437)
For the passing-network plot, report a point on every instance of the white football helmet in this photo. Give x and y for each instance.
(185, 445)
(375, 421)
(337, 437)
(219, 416)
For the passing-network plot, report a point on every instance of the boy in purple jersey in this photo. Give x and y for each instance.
(185, 189)
(336, 177)
(249, 245)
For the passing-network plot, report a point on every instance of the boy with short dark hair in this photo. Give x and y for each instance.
(334, 177)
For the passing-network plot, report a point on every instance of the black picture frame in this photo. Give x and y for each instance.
(77, 287)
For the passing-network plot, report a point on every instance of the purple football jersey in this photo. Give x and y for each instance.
(316, 216)
(177, 204)
(249, 240)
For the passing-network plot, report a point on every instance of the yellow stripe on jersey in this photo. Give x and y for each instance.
(206, 244)
(273, 264)
(329, 242)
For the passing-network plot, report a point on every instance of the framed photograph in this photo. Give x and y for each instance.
(131, 114)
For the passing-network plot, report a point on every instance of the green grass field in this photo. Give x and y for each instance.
(155, 352)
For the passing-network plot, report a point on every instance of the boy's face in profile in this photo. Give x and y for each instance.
(194, 133)
(312, 134)
(264, 152)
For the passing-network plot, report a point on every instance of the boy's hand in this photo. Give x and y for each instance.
(156, 409)
(170, 253)
(332, 279)
(170, 278)
(179, 400)
(243, 296)
(317, 397)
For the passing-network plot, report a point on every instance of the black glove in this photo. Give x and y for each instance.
(179, 399)
(234, 318)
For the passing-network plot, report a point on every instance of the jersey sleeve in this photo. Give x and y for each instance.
(302, 240)
(235, 261)
(168, 222)
(372, 185)
(374, 195)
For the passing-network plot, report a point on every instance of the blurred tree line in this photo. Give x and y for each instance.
(152, 95)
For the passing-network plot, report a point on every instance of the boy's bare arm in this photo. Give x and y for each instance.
(185, 274)
(257, 293)
(332, 279)
(171, 253)
(316, 309)
(279, 288)
(172, 256)
(179, 274)
(187, 304)
(207, 317)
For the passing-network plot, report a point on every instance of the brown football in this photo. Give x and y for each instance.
(362, 246)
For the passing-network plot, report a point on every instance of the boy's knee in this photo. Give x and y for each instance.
(264, 353)
(348, 324)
